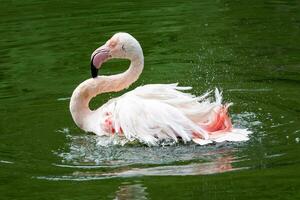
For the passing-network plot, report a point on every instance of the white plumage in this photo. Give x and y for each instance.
(155, 112)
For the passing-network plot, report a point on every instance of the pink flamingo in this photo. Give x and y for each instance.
(148, 113)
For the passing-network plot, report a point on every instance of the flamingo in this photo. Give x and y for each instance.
(149, 113)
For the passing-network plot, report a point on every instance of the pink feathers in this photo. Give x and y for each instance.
(108, 125)
(220, 121)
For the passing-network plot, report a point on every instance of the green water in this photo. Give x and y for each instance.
(249, 49)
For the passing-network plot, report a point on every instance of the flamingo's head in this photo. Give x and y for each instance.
(120, 45)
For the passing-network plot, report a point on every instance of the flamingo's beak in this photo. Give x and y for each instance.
(99, 56)
(94, 70)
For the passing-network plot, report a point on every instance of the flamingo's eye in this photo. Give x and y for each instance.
(123, 47)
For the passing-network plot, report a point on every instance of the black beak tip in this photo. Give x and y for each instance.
(94, 71)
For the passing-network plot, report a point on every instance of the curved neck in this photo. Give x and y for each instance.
(82, 95)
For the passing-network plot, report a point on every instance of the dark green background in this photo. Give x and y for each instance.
(249, 49)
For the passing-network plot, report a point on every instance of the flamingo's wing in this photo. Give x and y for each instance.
(160, 111)
(195, 108)
(150, 120)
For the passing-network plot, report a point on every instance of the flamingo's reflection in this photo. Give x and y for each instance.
(138, 191)
(131, 192)
(220, 165)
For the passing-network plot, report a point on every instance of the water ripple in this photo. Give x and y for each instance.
(220, 165)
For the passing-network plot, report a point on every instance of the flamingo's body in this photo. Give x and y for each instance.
(152, 112)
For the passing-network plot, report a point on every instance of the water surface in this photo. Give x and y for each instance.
(250, 50)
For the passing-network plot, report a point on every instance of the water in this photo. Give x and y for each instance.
(248, 49)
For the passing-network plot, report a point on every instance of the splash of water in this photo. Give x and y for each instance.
(121, 158)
